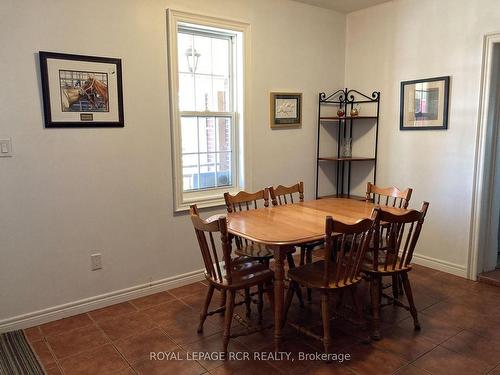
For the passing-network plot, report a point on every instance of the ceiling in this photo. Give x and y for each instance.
(343, 6)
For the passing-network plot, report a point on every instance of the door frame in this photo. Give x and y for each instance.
(483, 173)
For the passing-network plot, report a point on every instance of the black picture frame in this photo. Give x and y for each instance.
(445, 97)
(86, 118)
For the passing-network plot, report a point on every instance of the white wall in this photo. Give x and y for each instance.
(69, 192)
(409, 39)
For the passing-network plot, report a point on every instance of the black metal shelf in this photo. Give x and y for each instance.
(352, 158)
(336, 118)
(345, 99)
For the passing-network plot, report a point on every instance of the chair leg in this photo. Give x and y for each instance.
(308, 261)
(375, 283)
(288, 299)
(400, 285)
(358, 304)
(248, 302)
(203, 314)
(228, 318)
(409, 297)
(395, 288)
(270, 294)
(303, 251)
(222, 298)
(260, 301)
(291, 265)
(325, 314)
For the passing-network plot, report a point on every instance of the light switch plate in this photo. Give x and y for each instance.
(5, 148)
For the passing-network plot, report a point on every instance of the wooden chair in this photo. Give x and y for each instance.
(390, 197)
(402, 233)
(227, 274)
(345, 248)
(248, 201)
(281, 195)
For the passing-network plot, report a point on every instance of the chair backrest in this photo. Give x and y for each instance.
(284, 195)
(345, 248)
(212, 252)
(246, 201)
(390, 196)
(401, 234)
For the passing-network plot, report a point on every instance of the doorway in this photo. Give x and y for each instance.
(484, 255)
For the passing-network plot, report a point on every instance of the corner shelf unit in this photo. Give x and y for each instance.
(347, 100)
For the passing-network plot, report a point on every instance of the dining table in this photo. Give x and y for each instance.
(281, 228)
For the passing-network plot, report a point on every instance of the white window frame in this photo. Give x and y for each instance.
(240, 179)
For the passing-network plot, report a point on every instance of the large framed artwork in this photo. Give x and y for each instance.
(424, 104)
(286, 110)
(81, 91)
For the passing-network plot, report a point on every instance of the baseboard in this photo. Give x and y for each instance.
(440, 265)
(97, 302)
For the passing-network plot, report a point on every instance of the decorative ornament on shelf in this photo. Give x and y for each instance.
(355, 111)
(340, 112)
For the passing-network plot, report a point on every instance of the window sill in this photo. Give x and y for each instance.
(216, 200)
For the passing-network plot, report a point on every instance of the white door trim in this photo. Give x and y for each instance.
(482, 185)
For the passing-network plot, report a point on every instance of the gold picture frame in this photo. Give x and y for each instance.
(285, 110)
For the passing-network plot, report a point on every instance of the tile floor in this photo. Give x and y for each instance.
(460, 335)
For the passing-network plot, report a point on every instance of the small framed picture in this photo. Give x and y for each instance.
(286, 110)
(81, 91)
(424, 104)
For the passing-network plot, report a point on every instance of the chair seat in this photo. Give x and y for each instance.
(367, 265)
(244, 273)
(311, 276)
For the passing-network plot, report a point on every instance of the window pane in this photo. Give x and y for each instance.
(206, 134)
(220, 57)
(190, 172)
(184, 45)
(207, 170)
(203, 94)
(224, 137)
(203, 45)
(220, 94)
(189, 134)
(186, 92)
(224, 167)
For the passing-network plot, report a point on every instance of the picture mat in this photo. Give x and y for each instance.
(409, 118)
(53, 67)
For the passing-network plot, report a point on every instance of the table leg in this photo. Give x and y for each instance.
(279, 293)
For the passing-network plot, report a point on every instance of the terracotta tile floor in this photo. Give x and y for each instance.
(460, 335)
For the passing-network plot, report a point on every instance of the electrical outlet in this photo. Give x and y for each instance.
(95, 262)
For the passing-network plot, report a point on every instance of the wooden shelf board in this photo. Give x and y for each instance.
(357, 197)
(347, 117)
(354, 158)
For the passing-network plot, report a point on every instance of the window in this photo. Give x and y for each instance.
(206, 91)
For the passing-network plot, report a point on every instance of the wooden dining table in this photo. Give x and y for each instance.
(281, 228)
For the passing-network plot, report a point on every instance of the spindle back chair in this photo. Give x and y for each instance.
(345, 248)
(244, 201)
(227, 274)
(390, 196)
(281, 195)
(284, 195)
(401, 234)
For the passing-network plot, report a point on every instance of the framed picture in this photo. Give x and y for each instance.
(81, 91)
(286, 110)
(424, 104)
